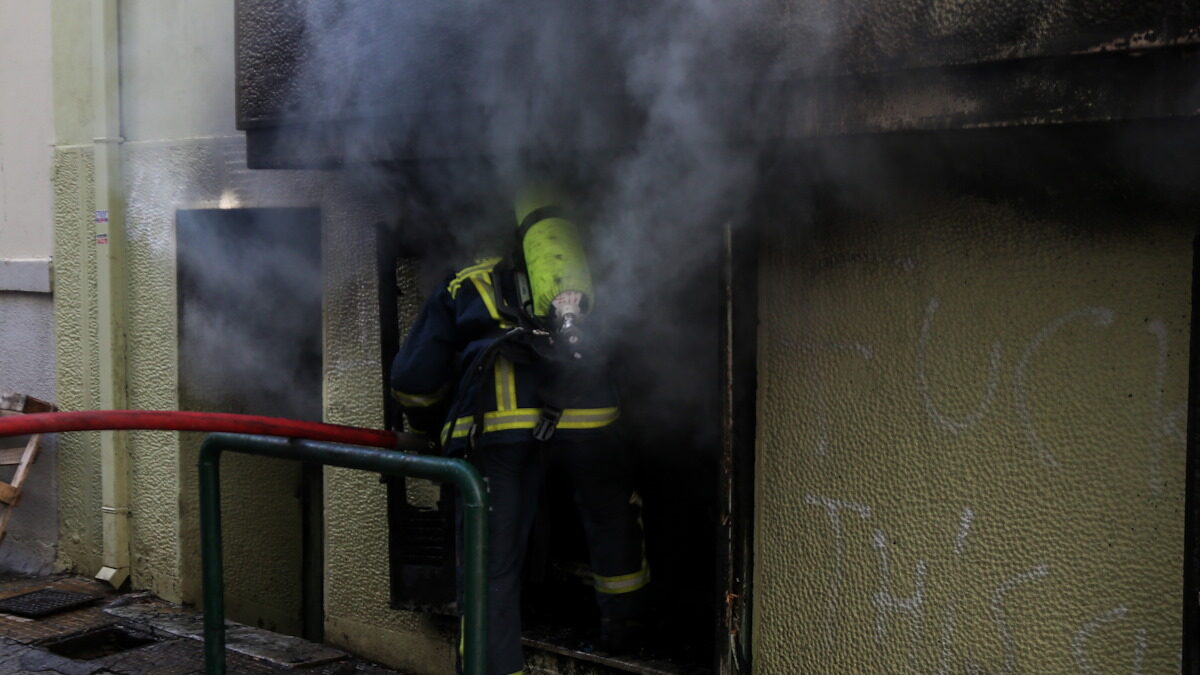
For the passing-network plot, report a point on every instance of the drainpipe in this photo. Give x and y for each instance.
(110, 269)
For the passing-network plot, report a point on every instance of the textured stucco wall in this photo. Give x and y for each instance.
(971, 441)
(187, 46)
(357, 614)
(178, 158)
(262, 520)
(77, 357)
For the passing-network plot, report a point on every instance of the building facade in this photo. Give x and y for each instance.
(960, 368)
(26, 247)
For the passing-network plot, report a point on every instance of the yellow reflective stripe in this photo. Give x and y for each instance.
(624, 583)
(419, 400)
(484, 266)
(485, 292)
(511, 383)
(527, 418)
(481, 266)
(498, 382)
(506, 385)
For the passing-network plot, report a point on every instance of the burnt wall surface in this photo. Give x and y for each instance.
(865, 66)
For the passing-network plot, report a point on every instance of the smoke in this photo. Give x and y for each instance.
(250, 311)
(653, 111)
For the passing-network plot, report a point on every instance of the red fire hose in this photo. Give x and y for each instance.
(129, 420)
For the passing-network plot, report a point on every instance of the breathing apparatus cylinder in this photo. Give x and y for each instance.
(560, 283)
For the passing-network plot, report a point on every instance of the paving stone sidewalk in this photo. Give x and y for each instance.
(139, 634)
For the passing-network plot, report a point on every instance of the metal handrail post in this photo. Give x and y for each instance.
(389, 462)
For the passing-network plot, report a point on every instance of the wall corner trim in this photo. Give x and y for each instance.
(28, 275)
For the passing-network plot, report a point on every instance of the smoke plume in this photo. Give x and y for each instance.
(648, 109)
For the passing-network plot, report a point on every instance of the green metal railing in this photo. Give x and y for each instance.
(388, 462)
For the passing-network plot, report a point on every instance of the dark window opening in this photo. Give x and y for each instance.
(249, 312)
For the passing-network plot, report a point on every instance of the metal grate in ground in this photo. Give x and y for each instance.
(44, 602)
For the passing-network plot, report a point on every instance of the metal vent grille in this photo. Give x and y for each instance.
(424, 538)
(44, 602)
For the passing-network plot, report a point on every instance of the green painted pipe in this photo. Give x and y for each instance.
(389, 462)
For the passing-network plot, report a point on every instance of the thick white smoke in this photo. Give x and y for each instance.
(653, 110)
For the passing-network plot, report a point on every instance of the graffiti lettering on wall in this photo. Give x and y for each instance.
(833, 510)
(1167, 424)
(904, 617)
(946, 422)
(1101, 317)
(1079, 642)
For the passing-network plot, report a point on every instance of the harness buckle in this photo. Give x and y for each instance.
(547, 423)
(473, 434)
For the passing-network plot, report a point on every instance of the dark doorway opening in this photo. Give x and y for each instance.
(249, 294)
(668, 375)
(687, 384)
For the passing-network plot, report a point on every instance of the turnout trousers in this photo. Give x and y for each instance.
(602, 484)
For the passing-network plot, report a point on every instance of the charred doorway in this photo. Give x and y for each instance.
(667, 365)
(249, 299)
(685, 369)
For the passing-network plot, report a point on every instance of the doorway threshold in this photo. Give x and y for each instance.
(556, 645)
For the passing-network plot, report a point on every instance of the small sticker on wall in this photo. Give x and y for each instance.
(102, 239)
(102, 217)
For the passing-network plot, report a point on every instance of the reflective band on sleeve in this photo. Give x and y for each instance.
(419, 400)
(625, 583)
(527, 418)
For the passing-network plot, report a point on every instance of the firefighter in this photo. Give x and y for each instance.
(497, 367)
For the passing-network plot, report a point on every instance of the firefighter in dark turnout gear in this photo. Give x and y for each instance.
(494, 367)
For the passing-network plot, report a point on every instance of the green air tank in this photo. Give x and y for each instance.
(559, 280)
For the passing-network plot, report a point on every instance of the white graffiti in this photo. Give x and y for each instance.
(833, 509)
(887, 603)
(1000, 614)
(964, 528)
(1081, 637)
(1101, 317)
(951, 424)
(999, 619)
(892, 606)
(1167, 426)
(949, 627)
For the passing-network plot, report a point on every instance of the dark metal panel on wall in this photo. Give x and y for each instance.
(421, 541)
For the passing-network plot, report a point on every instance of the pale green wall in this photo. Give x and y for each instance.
(358, 616)
(181, 152)
(75, 321)
(77, 358)
(971, 441)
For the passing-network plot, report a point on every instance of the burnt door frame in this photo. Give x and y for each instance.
(1191, 527)
(739, 384)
